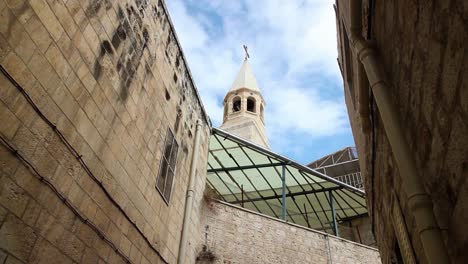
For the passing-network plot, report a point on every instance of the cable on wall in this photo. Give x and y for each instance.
(62, 197)
(76, 155)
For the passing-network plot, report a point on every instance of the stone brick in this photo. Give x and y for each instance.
(12, 196)
(25, 141)
(65, 19)
(77, 13)
(19, 71)
(102, 249)
(21, 9)
(84, 233)
(4, 48)
(44, 252)
(38, 33)
(66, 102)
(32, 213)
(17, 238)
(3, 256)
(71, 246)
(44, 73)
(13, 260)
(70, 52)
(48, 18)
(10, 123)
(125, 245)
(43, 162)
(58, 62)
(16, 36)
(90, 256)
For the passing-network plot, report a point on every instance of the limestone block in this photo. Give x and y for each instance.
(48, 18)
(18, 70)
(32, 213)
(17, 238)
(38, 33)
(58, 61)
(65, 19)
(90, 256)
(44, 252)
(14, 32)
(12, 196)
(102, 249)
(45, 74)
(10, 124)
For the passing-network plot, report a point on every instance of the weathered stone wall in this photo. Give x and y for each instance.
(422, 46)
(236, 235)
(111, 77)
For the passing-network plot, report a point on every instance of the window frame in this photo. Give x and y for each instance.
(171, 166)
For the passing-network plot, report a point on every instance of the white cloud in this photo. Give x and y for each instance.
(293, 49)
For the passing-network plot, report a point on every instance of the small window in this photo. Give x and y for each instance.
(167, 168)
(236, 104)
(251, 104)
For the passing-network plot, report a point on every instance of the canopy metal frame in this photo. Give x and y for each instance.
(241, 172)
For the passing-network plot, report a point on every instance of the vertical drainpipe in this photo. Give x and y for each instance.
(189, 197)
(419, 202)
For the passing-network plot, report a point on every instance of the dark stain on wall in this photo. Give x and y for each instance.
(128, 50)
(177, 122)
(95, 6)
(129, 40)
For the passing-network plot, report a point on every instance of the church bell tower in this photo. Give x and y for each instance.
(244, 108)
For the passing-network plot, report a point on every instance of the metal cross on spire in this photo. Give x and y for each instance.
(247, 56)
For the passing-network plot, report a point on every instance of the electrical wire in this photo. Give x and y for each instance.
(76, 154)
(62, 197)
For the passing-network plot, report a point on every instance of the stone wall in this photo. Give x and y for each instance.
(422, 46)
(232, 234)
(106, 80)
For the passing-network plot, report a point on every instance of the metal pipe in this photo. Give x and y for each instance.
(283, 171)
(242, 196)
(306, 216)
(189, 197)
(363, 103)
(419, 202)
(332, 206)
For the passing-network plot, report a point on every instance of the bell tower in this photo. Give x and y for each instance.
(244, 108)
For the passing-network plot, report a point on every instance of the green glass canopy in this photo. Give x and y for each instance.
(246, 174)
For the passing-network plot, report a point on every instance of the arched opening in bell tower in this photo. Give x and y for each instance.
(236, 104)
(251, 104)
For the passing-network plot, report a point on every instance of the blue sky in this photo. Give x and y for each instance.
(293, 55)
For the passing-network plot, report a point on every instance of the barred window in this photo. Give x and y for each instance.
(167, 167)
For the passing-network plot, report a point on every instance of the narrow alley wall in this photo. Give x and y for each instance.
(90, 91)
(231, 234)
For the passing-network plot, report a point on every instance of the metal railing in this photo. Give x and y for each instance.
(353, 179)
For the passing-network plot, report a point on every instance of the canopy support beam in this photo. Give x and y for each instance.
(290, 194)
(247, 167)
(283, 171)
(332, 206)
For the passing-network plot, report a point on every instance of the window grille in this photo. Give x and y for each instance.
(168, 166)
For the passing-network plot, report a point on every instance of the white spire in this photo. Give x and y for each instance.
(245, 78)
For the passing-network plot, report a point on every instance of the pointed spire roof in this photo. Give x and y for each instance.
(245, 78)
